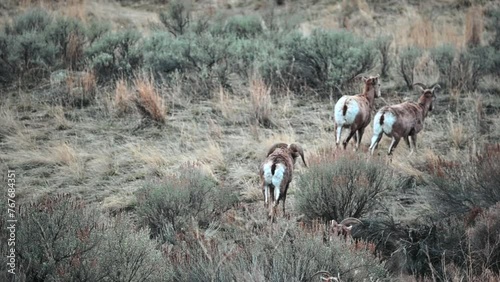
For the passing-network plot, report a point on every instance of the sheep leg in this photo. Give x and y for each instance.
(375, 140)
(394, 144)
(284, 197)
(358, 137)
(346, 141)
(414, 142)
(339, 134)
(407, 141)
(265, 191)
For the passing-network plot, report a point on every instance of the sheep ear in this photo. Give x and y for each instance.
(420, 85)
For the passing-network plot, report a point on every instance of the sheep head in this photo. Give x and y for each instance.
(428, 93)
(296, 152)
(373, 81)
(294, 149)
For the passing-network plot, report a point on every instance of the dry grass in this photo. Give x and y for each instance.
(225, 104)
(9, 121)
(457, 132)
(422, 33)
(123, 99)
(260, 96)
(149, 102)
(152, 157)
(474, 26)
(61, 123)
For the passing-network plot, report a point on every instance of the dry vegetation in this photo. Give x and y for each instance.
(120, 145)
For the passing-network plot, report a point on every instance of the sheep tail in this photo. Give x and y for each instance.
(344, 110)
(382, 119)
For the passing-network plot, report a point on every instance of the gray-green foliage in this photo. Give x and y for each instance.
(288, 253)
(54, 234)
(171, 206)
(202, 59)
(337, 188)
(407, 60)
(68, 35)
(59, 238)
(115, 54)
(244, 26)
(383, 45)
(177, 18)
(26, 50)
(443, 56)
(326, 59)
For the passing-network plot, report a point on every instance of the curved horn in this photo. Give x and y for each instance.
(276, 146)
(435, 86)
(297, 149)
(350, 221)
(420, 85)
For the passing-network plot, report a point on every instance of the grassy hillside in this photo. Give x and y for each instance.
(136, 129)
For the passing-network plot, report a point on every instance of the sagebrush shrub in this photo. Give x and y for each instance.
(244, 26)
(170, 206)
(383, 44)
(337, 187)
(55, 234)
(458, 186)
(294, 255)
(443, 56)
(325, 60)
(484, 238)
(177, 18)
(115, 54)
(59, 238)
(407, 60)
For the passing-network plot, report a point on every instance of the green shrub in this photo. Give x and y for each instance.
(288, 253)
(130, 256)
(407, 60)
(493, 25)
(443, 56)
(484, 239)
(383, 45)
(472, 65)
(34, 20)
(325, 60)
(69, 36)
(96, 30)
(59, 238)
(339, 187)
(456, 187)
(28, 52)
(169, 207)
(177, 18)
(201, 59)
(55, 234)
(244, 26)
(115, 54)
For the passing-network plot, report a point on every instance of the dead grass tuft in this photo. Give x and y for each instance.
(474, 26)
(260, 96)
(10, 125)
(61, 122)
(150, 104)
(458, 133)
(123, 100)
(422, 33)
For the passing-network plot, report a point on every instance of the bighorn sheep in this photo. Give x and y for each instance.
(343, 228)
(354, 112)
(403, 120)
(276, 173)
